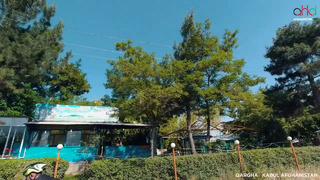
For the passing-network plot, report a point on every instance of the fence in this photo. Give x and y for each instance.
(221, 149)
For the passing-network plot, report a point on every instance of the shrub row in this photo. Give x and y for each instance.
(13, 168)
(209, 166)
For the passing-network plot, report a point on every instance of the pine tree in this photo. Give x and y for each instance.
(30, 69)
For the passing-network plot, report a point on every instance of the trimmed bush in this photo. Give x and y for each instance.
(13, 168)
(209, 166)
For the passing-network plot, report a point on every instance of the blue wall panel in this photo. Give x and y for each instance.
(72, 154)
(124, 152)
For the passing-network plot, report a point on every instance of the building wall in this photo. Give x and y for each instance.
(79, 152)
(72, 154)
(124, 152)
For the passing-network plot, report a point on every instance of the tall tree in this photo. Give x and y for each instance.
(225, 85)
(143, 89)
(216, 80)
(30, 67)
(294, 59)
(190, 50)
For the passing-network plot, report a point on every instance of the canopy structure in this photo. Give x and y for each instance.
(84, 125)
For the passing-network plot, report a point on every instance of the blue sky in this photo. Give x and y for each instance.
(91, 29)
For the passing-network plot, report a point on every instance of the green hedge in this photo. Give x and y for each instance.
(13, 168)
(209, 166)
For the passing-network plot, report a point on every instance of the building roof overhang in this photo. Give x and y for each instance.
(37, 125)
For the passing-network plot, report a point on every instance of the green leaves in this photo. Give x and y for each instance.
(69, 80)
(142, 86)
(294, 60)
(30, 69)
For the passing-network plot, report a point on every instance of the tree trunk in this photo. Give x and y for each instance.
(208, 124)
(315, 91)
(191, 141)
(153, 141)
(208, 120)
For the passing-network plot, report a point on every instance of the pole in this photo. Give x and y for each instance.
(174, 165)
(14, 136)
(56, 167)
(239, 155)
(22, 141)
(295, 156)
(5, 146)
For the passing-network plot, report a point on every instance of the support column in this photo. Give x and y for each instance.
(14, 136)
(22, 141)
(153, 141)
(5, 146)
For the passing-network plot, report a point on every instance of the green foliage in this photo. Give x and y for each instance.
(257, 114)
(205, 167)
(294, 60)
(70, 81)
(303, 126)
(6, 111)
(30, 68)
(214, 83)
(203, 75)
(216, 145)
(11, 169)
(222, 82)
(172, 125)
(70, 177)
(143, 88)
(77, 100)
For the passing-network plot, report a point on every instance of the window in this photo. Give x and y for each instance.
(87, 138)
(73, 138)
(57, 137)
(39, 138)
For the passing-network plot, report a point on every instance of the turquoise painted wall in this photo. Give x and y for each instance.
(72, 154)
(124, 152)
